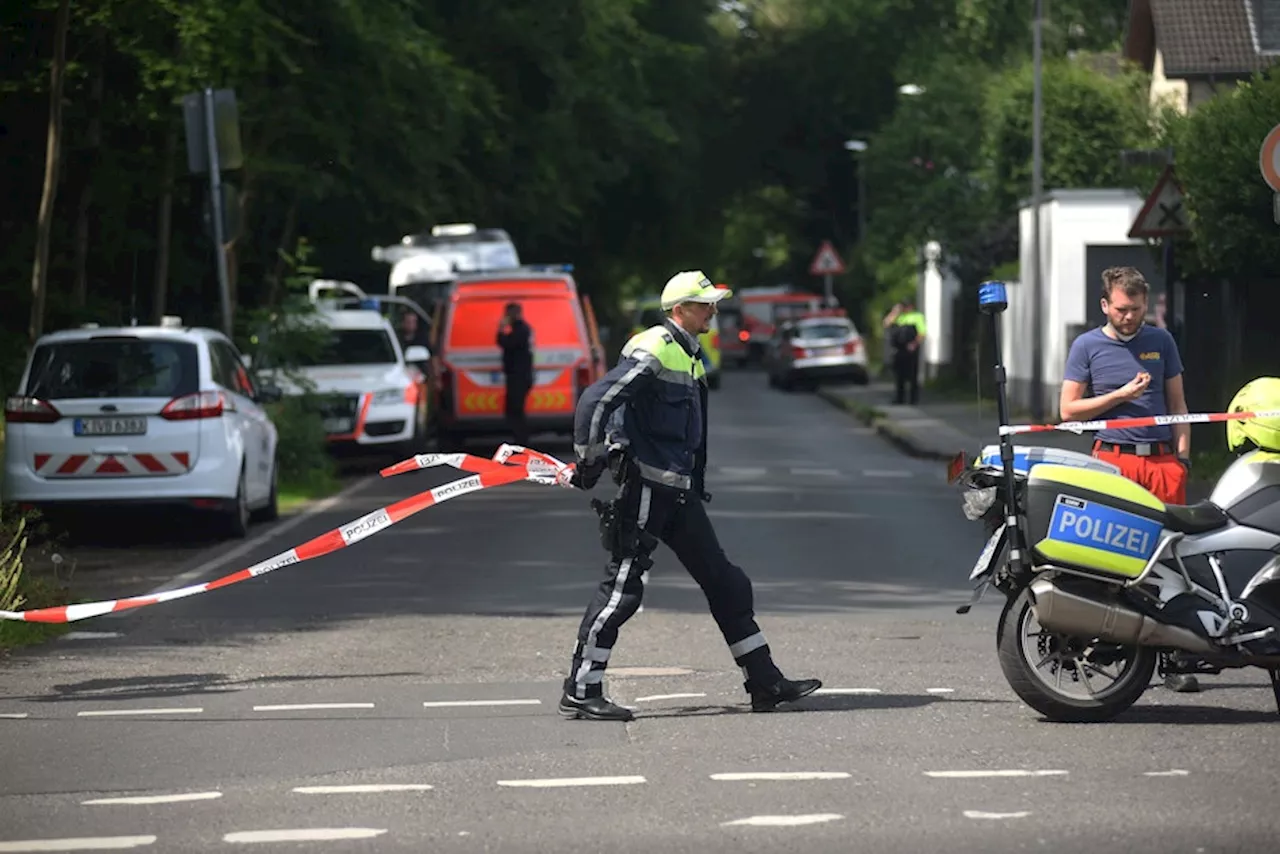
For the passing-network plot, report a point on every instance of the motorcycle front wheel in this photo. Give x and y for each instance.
(1068, 679)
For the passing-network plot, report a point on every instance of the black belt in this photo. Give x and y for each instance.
(1142, 449)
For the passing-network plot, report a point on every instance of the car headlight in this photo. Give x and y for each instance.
(388, 396)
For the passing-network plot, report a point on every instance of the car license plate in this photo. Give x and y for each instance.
(338, 425)
(982, 564)
(831, 351)
(110, 426)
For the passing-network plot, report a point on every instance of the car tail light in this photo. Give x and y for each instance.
(715, 340)
(744, 335)
(29, 410)
(202, 404)
(851, 347)
(798, 352)
(583, 376)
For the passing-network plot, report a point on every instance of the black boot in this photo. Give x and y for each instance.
(768, 698)
(592, 709)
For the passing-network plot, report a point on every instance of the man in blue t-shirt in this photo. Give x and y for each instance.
(1129, 369)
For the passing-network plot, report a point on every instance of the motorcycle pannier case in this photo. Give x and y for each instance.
(1091, 521)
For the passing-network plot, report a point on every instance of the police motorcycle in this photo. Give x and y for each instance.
(1102, 579)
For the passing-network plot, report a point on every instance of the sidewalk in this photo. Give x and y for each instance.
(938, 430)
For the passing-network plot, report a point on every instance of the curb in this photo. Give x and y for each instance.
(874, 418)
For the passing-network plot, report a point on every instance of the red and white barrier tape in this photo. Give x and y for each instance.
(1145, 421)
(511, 464)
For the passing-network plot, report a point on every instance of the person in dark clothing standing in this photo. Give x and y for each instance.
(906, 329)
(515, 337)
(660, 387)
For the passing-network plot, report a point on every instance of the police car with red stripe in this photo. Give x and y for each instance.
(144, 415)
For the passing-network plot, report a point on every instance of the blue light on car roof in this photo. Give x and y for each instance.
(371, 304)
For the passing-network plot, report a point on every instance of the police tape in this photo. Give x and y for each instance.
(511, 464)
(1079, 427)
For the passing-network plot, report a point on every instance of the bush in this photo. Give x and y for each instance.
(303, 454)
(19, 589)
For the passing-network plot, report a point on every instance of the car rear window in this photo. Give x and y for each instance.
(553, 320)
(352, 347)
(833, 329)
(114, 367)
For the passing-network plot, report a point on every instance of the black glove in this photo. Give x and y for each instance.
(585, 475)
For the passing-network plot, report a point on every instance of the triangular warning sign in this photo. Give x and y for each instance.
(1164, 214)
(826, 261)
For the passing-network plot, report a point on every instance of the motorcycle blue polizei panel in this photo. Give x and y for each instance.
(1086, 533)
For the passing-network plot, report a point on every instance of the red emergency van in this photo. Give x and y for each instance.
(467, 379)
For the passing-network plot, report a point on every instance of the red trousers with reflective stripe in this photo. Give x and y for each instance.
(1162, 475)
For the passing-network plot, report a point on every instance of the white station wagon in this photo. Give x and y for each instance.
(146, 415)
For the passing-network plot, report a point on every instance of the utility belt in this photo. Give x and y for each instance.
(1140, 449)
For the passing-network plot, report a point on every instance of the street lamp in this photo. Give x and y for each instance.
(858, 145)
(1037, 189)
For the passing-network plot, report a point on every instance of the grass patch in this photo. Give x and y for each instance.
(23, 591)
(320, 484)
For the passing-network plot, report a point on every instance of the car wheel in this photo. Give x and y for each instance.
(237, 518)
(271, 511)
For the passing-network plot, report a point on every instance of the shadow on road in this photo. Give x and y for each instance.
(821, 703)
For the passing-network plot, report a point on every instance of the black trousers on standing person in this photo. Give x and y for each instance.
(518, 386)
(643, 514)
(906, 376)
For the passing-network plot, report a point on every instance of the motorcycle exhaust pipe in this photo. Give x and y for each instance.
(1069, 613)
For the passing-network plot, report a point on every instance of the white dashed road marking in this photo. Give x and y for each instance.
(1014, 772)
(108, 712)
(157, 799)
(980, 814)
(74, 636)
(1176, 772)
(440, 704)
(302, 707)
(560, 782)
(363, 789)
(782, 820)
(940, 690)
(668, 697)
(83, 843)
(886, 473)
(305, 834)
(743, 471)
(13, 716)
(782, 775)
(806, 472)
(838, 691)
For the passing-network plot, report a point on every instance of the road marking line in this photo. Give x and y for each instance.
(782, 775)
(299, 707)
(13, 716)
(89, 635)
(815, 472)
(362, 789)
(980, 814)
(940, 690)
(668, 697)
(156, 799)
(439, 704)
(1176, 772)
(847, 691)
(743, 471)
(559, 782)
(305, 834)
(782, 820)
(1015, 772)
(886, 473)
(105, 712)
(83, 843)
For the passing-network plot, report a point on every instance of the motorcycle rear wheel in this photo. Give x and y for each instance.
(1081, 658)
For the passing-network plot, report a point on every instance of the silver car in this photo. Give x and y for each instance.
(809, 350)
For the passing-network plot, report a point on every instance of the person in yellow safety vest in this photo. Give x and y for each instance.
(661, 380)
(906, 333)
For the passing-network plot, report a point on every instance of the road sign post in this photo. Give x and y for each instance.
(1269, 163)
(213, 144)
(826, 263)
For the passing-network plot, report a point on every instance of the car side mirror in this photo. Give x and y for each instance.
(269, 393)
(417, 353)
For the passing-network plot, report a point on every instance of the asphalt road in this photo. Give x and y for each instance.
(400, 695)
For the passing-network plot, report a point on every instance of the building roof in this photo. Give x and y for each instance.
(1204, 38)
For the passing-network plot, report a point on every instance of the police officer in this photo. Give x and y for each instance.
(659, 461)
